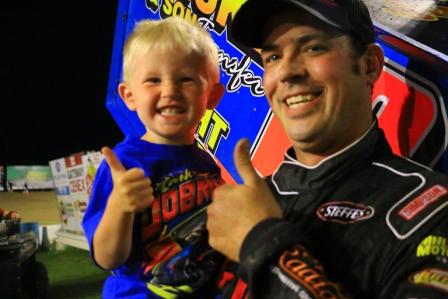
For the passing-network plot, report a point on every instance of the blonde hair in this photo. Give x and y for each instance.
(168, 34)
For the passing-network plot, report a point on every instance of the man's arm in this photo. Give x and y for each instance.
(245, 224)
(420, 270)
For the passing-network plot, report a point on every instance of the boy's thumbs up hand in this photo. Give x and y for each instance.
(132, 190)
(236, 209)
(112, 160)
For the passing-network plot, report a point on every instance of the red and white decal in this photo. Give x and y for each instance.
(414, 207)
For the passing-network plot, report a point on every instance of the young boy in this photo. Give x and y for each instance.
(142, 221)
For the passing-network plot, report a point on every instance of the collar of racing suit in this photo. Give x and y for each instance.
(297, 176)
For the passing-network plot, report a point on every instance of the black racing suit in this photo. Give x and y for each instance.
(362, 224)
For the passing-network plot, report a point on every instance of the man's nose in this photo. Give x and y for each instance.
(292, 69)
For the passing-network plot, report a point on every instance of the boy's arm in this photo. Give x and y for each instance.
(113, 237)
(132, 192)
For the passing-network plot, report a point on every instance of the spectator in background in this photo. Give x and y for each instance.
(10, 186)
(26, 189)
(6, 215)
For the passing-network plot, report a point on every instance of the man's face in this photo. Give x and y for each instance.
(311, 86)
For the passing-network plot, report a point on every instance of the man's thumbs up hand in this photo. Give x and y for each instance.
(244, 165)
(132, 191)
(236, 209)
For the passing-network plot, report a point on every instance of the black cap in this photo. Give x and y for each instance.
(349, 16)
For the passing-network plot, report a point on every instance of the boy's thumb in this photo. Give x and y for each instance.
(243, 163)
(112, 160)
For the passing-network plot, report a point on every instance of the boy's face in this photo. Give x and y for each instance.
(170, 91)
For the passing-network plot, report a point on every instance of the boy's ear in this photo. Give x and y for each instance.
(127, 95)
(215, 95)
(374, 60)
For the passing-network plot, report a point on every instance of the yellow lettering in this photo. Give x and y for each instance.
(167, 7)
(205, 121)
(178, 9)
(190, 16)
(423, 250)
(226, 9)
(220, 128)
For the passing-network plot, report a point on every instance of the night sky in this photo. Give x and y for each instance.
(54, 72)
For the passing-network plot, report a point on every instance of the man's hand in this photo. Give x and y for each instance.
(236, 209)
(132, 191)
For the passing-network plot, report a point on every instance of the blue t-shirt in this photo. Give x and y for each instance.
(183, 178)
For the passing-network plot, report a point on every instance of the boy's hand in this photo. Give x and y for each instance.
(235, 210)
(132, 191)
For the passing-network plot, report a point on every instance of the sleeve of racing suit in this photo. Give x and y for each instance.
(420, 269)
(275, 263)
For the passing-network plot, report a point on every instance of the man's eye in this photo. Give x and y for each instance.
(270, 58)
(315, 48)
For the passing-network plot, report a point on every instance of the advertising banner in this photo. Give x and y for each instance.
(409, 100)
(36, 177)
(62, 189)
(76, 172)
(92, 161)
(73, 178)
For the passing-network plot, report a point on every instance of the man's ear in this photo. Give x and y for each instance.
(374, 61)
(127, 95)
(215, 95)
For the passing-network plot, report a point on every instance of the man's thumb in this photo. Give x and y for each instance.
(243, 163)
(112, 160)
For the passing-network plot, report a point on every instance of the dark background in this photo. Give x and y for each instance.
(54, 72)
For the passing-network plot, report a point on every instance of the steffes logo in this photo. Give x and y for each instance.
(344, 212)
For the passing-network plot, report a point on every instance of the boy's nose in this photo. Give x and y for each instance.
(169, 89)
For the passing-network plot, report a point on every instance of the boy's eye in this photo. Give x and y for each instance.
(153, 80)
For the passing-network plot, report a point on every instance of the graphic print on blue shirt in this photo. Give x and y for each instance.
(167, 227)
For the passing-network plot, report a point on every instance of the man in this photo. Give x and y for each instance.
(349, 219)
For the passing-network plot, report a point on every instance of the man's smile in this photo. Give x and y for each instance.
(302, 98)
